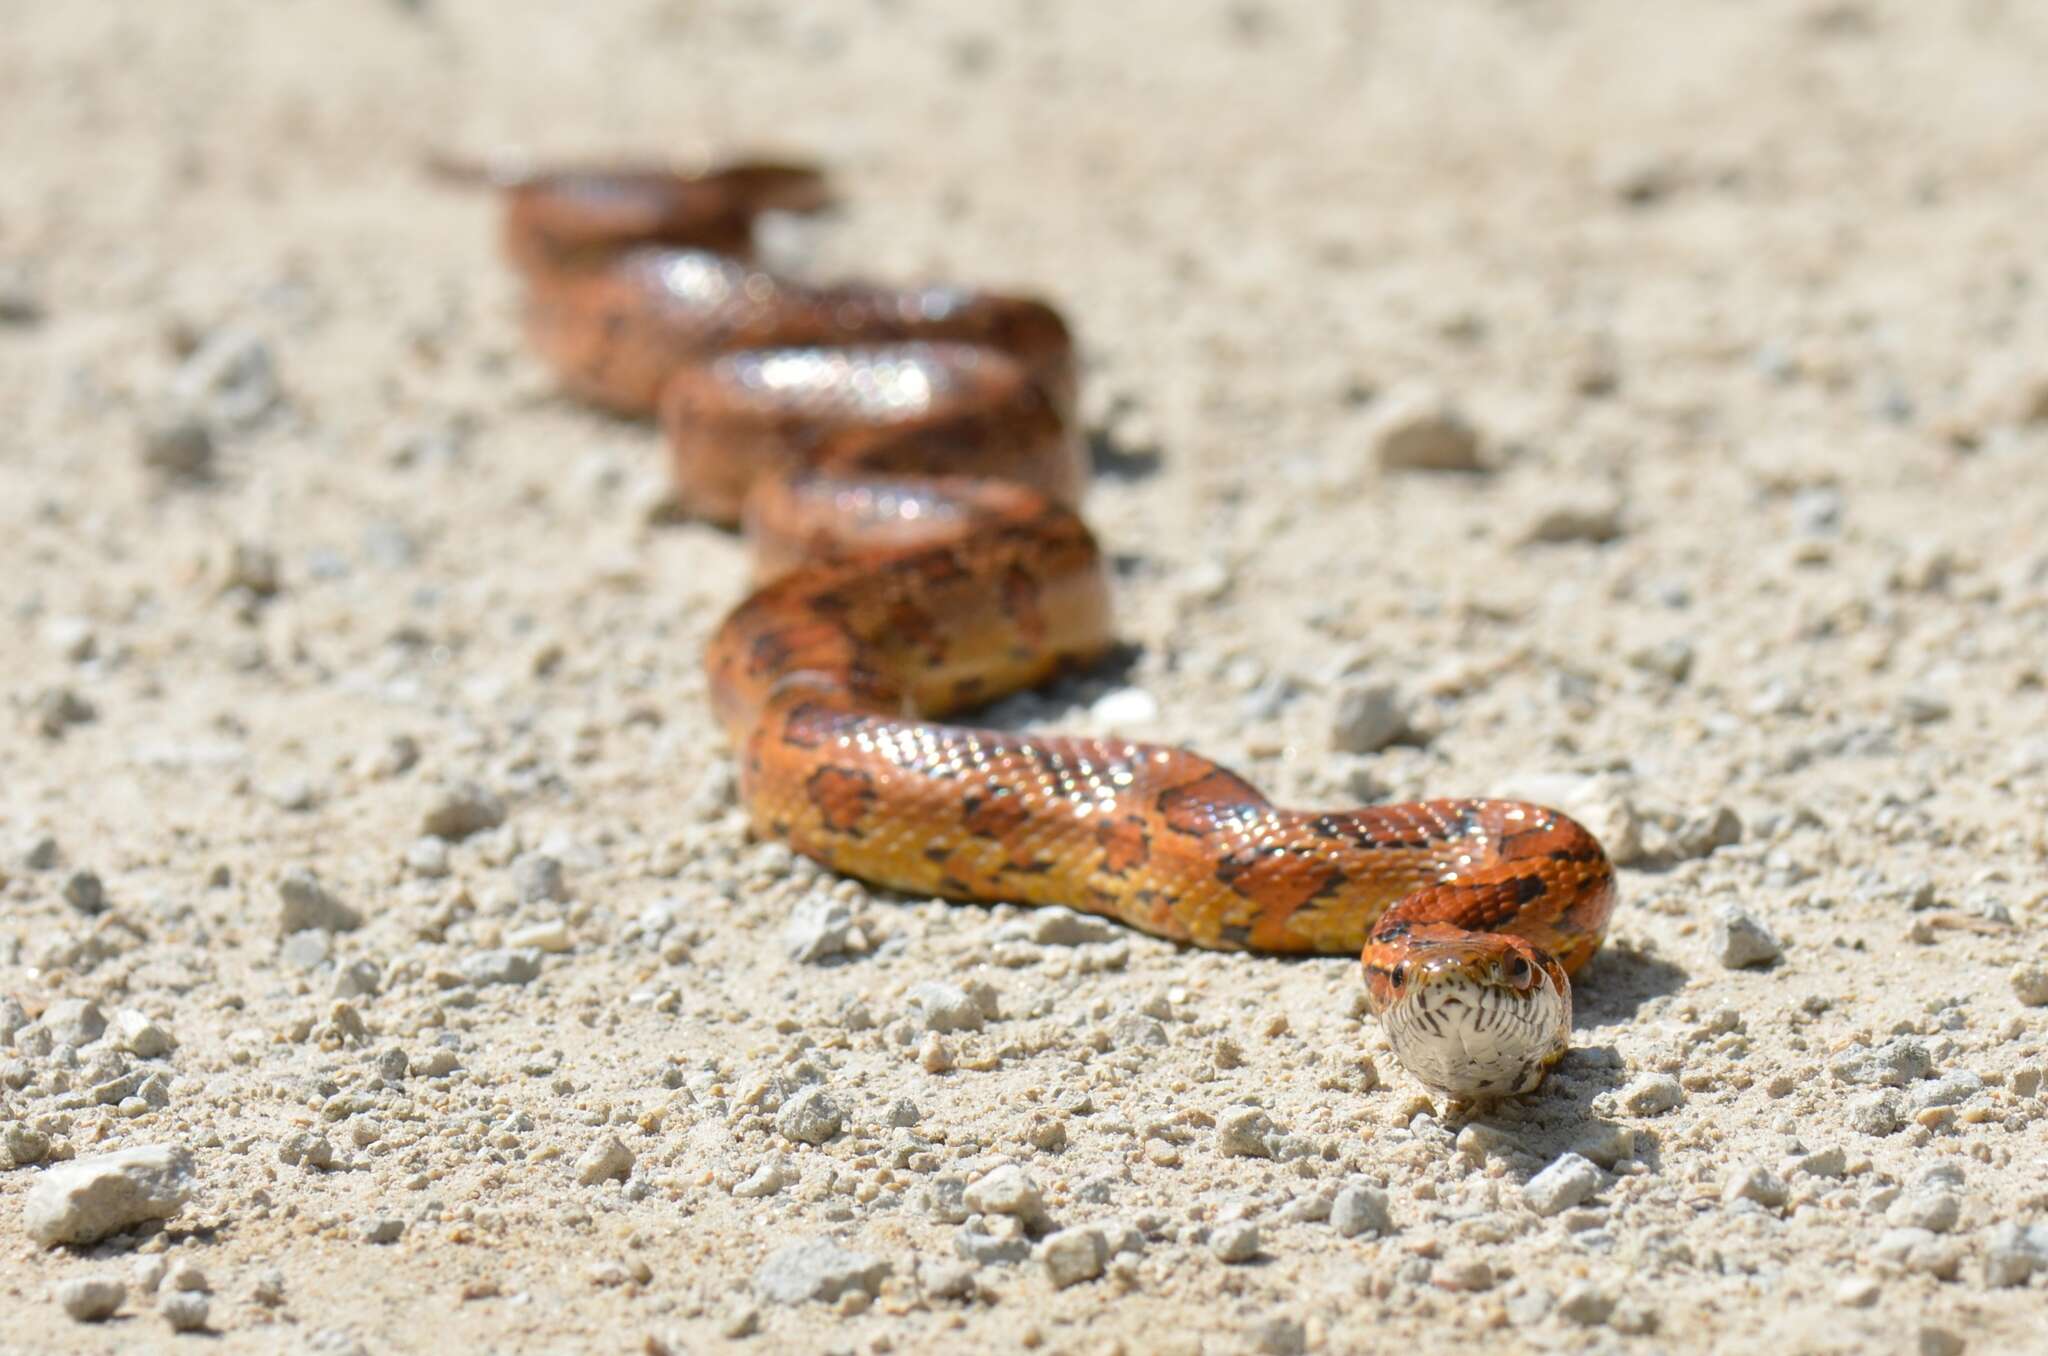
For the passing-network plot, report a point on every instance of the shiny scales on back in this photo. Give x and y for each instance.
(907, 461)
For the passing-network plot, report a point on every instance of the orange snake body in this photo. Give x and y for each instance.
(907, 464)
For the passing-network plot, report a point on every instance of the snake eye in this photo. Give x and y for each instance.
(1399, 974)
(1519, 972)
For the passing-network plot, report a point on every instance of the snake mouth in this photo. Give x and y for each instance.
(1477, 1037)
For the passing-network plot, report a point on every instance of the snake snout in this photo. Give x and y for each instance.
(1478, 1029)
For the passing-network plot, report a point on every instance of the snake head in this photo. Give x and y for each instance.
(1475, 1016)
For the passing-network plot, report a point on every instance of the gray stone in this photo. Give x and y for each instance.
(1360, 1209)
(819, 928)
(1008, 1190)
(461, 810)
(2030, 983)
(1566, 1182)
(1918, 1250)
(83, 892)
(91, 1299)
(1758, 1184)
(1370, 717)
(1074, 1255)
(1931, 1209)
(1055, 926)
(506, 965)
(1246, 1132)
(946, 1007)
(810, 1117)
(303, 903)
(2015, 1252)
(384, 1229)
(1893, 1065)
(231, 377)
(1651, 1094)
(1595, 518)
(1742, 942)
(1585, 1304)
(135, 1032)
(308, 950)
(538, 878)
(817, 1269)
(1877, 1113)
(74, 1021)
(1235, 1243)
(1422, 431)
(1279, 1336)
(85, 1200)
(184, 1310)
(605, 1161)
(176, 443)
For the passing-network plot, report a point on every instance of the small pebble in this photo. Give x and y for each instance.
(537, 878)
(1651, 1094)
(509, 965)
(91, 1299)
(817, 1269)
(1359, 1210)
(810, 1117)
(1742, 942)
(1758, 1184)
(184, 1310)
(461, 810)
(83, 892)
(2030, 983)
(177, 444)
(1074, 1255)
(946, 1007)
(1569, 1180)
(1008, 1190)
(1417, 430)
(1234, 1243)
(1370, 717)
(1246, 1132)
(304, 903)
(605, 1161)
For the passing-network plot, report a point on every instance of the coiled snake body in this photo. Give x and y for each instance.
(907, 466)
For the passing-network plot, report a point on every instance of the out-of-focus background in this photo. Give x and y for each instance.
(1638, 407)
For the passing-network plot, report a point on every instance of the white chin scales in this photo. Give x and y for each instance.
(1477, 1041)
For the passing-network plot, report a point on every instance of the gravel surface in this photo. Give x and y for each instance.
(1639, 407)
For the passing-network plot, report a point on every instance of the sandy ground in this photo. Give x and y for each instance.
(303, 560)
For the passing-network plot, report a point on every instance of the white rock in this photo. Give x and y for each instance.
(184, 1310)
(1755, 1183)
(604, 1161)
(1742, 942)
(1651, 1094)
(304, 903)
(85, 1200)
(946, 1007)
(1934, 1210)
(1125, 708)
(90, 1299)
(1008, 1190)
(2030, 983)
(819, 928)
(1235, 1243)
(817, 1269)
(138, 1034)
(1360, 1209)
(810, 1117)
(1568, 1180)
(1246, 1132)
(1074, 1255)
